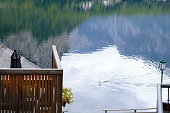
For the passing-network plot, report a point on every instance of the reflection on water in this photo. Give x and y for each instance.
(110, 48)
(107, 79)
(142, 36)
(136, 28)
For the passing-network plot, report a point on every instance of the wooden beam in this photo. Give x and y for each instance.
(31, 71)
(59, 93)
(55, 57)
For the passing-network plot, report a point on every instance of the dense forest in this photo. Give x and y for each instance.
(48, 18)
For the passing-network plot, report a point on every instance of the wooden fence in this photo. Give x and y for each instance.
(32, 90)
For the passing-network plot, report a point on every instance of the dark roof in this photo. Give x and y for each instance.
(5, 58)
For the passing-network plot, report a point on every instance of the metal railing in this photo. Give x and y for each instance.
(159, 99)
(133, 110)
(162, 106)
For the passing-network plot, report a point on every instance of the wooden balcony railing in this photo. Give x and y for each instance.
(32, 90)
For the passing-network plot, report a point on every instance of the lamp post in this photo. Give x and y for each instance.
(162, 68)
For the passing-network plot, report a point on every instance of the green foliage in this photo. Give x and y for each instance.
(50, 18)
(67, 96)
(43, 22)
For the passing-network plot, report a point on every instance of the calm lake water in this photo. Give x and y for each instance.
(109, 49)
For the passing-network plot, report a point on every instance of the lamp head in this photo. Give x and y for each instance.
(162, 65)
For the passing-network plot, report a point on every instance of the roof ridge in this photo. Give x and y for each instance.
(1, 45)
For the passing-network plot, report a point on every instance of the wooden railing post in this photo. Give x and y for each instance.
(59, 87)
(53, 61)
(0, 92)
(55, 58)
(59, 93)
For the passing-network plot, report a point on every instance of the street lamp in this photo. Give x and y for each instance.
(162, 68)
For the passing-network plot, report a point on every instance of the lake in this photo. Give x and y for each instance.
(110, 50)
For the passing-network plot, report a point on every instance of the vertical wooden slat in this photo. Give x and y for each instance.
(10, 93)
(6, 95)
(13, 92)
(26, 93)
(23, 93)
(33, 104)
(59, 91)
(44, 110)
(7, 87)
(30, 86)
(34, 93)
(52, 93)
(42, 98)
(16, 93)
(3, 92)
(0, 93)
(38, 93)
(45, 94)
(19, 92)
(48, 95)
(55, 93)
(29, 94)
(36, 89)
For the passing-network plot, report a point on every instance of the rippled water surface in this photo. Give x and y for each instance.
(113, 62)
(109, 49)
